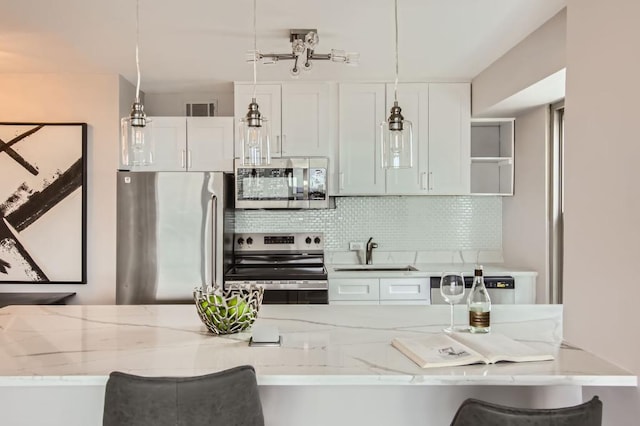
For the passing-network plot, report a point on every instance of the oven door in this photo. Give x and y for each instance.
(296, 297)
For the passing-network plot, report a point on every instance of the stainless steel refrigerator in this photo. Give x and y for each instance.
(170, 234)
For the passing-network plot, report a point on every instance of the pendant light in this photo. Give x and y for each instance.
(136, 130)
(396, 133)
(254, 128)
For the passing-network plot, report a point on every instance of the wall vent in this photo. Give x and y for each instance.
(201, 109)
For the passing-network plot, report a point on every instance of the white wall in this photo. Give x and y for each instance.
(538, 56)
(78, 98)
(602, 195)
(524, 216)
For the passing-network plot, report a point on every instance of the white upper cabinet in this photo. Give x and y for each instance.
(298, 113)
(169, 145)
(413, 98)
(191, 144)
(305, 120)
(210, 144)
(361, 110)
(440, 117)
(449, 138)
(269, 98)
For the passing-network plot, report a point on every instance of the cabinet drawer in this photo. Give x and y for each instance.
(354, 289)
(405, 289)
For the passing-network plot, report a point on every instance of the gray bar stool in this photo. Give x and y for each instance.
(474, 412)
(228, 397)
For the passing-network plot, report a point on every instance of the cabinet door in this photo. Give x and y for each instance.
(396, 289)
(413, 98)
(210, 144)
(361, 110)
(363, 289)
(169, 144)
(449, 138)
(305, 120)
(268, 97)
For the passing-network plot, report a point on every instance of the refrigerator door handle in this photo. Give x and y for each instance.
(214, 241)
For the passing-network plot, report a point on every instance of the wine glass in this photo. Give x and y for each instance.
(452, 289)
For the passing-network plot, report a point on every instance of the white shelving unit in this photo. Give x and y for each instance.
(492, 160)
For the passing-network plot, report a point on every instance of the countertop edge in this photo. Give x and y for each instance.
(358, 380)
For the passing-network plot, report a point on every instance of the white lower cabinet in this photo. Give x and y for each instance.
(354, 289)
(384, 291)
(408, 290)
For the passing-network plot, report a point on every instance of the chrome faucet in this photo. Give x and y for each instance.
(369, 251)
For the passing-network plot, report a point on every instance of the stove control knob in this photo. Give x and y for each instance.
(249, 240)
(316, 240)
(308, 240)
(240, 241)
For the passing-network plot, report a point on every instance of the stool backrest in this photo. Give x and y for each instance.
(228, 397)
(474, 412)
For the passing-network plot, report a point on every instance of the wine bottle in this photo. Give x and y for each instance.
(479, 304)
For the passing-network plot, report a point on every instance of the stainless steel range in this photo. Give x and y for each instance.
(290, 267)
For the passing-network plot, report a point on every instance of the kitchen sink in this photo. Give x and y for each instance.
(377, 268)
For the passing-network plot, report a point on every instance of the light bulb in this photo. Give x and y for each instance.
(297, 46)
(396, 146)
(307, 66)
(353, 59)
(295, 72)
(338, 55)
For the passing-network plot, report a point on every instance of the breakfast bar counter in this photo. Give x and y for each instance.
(329, 355)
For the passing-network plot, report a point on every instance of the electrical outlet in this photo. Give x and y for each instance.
(356, 245)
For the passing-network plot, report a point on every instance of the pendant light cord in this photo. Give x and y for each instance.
(255, 49)
(395, 89)
(137, 49)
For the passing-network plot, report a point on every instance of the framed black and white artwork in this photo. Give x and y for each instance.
(43, 203)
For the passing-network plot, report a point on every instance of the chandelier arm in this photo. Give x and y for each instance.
(278, 56)
(295, 64)
(320, 56)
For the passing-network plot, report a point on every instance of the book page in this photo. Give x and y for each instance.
(498, 347)
(437, 350)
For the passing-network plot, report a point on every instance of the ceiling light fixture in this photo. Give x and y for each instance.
(303, 44)
(396, 133)
(254, 128)
(136, 132)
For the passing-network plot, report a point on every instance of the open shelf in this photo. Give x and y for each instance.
(492, 145)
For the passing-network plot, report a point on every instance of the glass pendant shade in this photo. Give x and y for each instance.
(254, 136)
(137, 138)
(397, 141)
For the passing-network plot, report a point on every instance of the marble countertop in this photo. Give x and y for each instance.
(321, 345)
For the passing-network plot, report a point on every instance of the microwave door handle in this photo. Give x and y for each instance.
(305, 183)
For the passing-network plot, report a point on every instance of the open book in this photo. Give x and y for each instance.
(448, 350)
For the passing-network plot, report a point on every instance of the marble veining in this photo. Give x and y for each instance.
(321, 345)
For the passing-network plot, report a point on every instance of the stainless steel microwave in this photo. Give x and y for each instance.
(286, 183)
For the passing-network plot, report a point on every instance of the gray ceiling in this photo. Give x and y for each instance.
(194, 45)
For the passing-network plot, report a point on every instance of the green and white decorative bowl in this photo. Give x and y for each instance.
(228, 311)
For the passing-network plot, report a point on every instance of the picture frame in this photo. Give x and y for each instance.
(43, 203)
